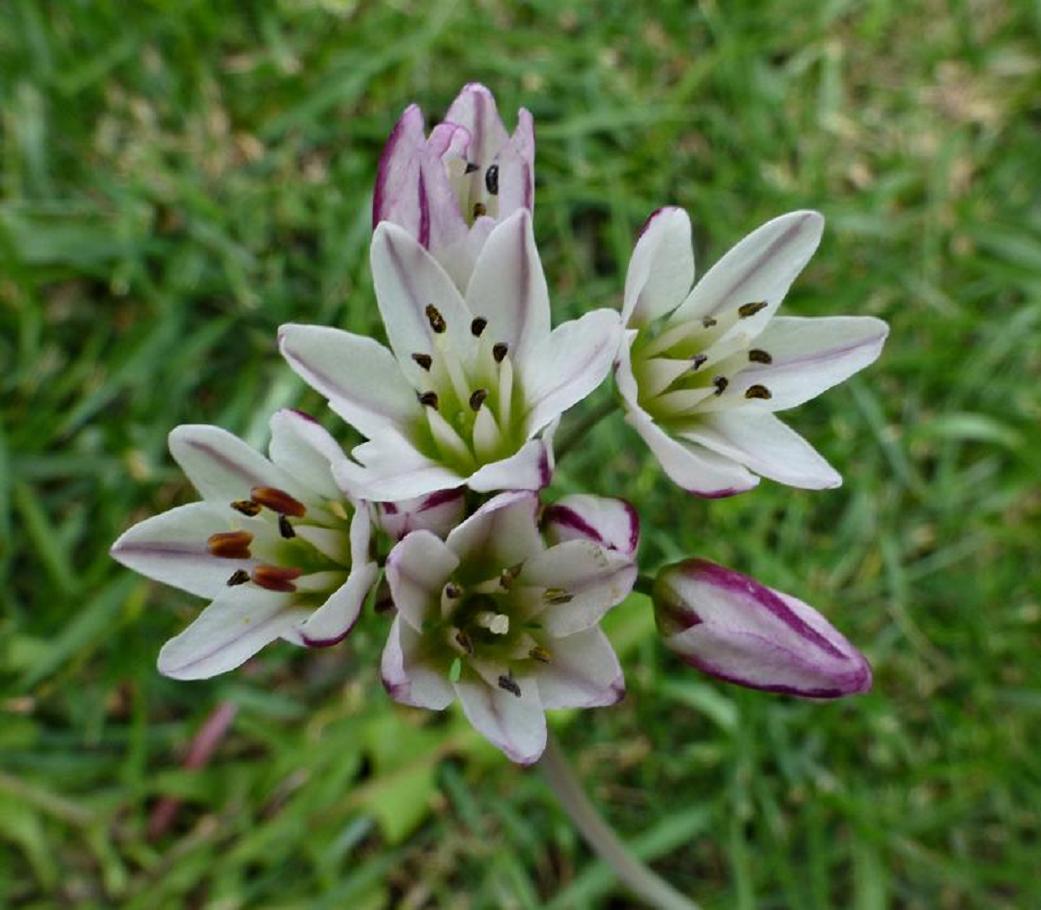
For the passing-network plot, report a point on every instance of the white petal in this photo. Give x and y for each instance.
(329, 541)
(809, 356)
(223, 468)
(661, 269)
(407, 281)
(764, 444)
(516, 725)
(305, 450)
(583, 672)
(438, 512)
(474, 108)
(596, 578)
(394, 470)
(171, 548)
(396, 195)
(360, 378)
(417, 569)
(406, 677)
(568, 365)
(508, 287)
(228, 632)
(760, 268)
(331, 622)
(500, 534)
(612, 523)
(517, 168)
(530, 468)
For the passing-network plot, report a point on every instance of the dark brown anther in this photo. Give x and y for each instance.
(478, 325)
(238, 577)
(285, 528)
(721, 383)
(500, 350)
(424, 360)
(758, 355)
(509, 684)
(276, 578)
(230, 544)
(246, 507)
(472, 166)
(436, 320)
(464, 642)
(491, 180)
(708, 322)
(477, 399)
(540, 654)
(480, 209)
(758, 391)
(750, 309)
(453, 591)
(698, 361)
(557, 596)
(508, 576)
(429, 399)
(278, 501)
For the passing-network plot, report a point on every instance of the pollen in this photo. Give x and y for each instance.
(471, 166)
(540, 654)
(436, 320)
(464, 641)
(750, 309)
(708, 322)
(698, 361)
(758, 391)
(480, 209)
(557, 596)
(230, 544)
(276, 578)
(278, 501)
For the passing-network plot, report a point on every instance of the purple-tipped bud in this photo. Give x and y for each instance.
(730, 626)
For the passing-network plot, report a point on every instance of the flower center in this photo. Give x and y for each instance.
(285, 546)
(689, 368)
(472, 402)
(476, 187)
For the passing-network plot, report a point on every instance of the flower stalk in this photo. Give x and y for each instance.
(601, 837)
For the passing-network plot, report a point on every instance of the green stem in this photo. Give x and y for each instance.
(580, 430)
(640, 879)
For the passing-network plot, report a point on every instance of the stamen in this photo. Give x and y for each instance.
(424, 360)
(238, 577)
(697, 361)
(540, 654)
(758, 355)
(478, 325)
(758, 391)
(230, 544)
(276, 578)
(285, 528)
(557, 596)
(428, 398)
(480, 209)
(477, 399)
(509, 684)
(453, 591)
(508, 576)
(436, 320)
(464, 641)
(708, 322)
(278, 501)
(246, 507)
(750, 309)
(491, 179)
(721, 383)
(500, 350)
(471, 166)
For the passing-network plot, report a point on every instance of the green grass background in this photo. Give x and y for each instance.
(178, 178)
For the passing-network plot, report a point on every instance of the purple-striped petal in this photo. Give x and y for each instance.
(661, 269)
(516, 724)
(406, 677)
(582, 672)
(417, 569)
(612, 523)
(500, 534)
(438, 512)
(730, 626)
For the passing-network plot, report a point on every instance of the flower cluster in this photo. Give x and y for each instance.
(496, 594)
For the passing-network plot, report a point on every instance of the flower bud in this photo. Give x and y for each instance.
(730, 626)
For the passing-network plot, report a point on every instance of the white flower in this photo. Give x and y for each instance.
(471, 383)
(509, 626)
(275, 544)
(438, 512)
(451, 189)
(702, 370)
